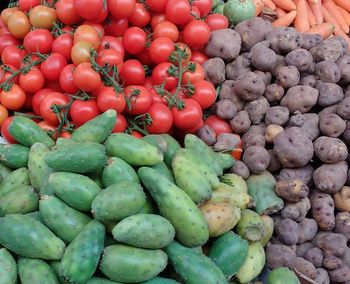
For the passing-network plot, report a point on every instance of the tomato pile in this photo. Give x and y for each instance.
(64, 62)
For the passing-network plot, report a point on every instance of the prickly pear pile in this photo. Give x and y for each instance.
(101, 206)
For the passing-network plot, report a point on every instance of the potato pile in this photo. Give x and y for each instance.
(288, 95)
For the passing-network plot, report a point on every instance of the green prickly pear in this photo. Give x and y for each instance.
(81, 258)
(96, 177)
(8, 267)
(117, 170)
(144, 231)
(4, 171)
(20, 234)
(135, 152)
(176, 206)
(21, 200)
(14, 156)
(268, 229)
(85, 189)
(164, 170)
(250, 227)
(229, 252)
(156, 141)
(134, 264)
(235, 181)
(61, 219)
(55, 265)
(99, 280)
(15, 179)
(172, 147)
(225, 160)
(118, 201)
(36, 216)
(161, 280)
(62, 142)
(194, 267)
(282, 275)
(35, 271)
(148, 207)
(253, 265)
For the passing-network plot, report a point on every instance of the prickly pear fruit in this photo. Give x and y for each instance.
(97, 129)
(55, 265)
(221, 217)
(161, 280)
(36, 216)
(4, 172)
(229, 252)
(14, 180)
(268, 229)
(76, 190)
(176, 206)
(134, 151)
(35, 271)
(253, 265)
(282, 275)
(21, 200)
(225, 160)
(149, 207)
(8, 267)
(99, 280)
(172, 147)
(62, 142)
(235, 181)
(117, 170)
(81, 257)
(118, 201)
(164, 170)
(134, 264)
(157, 141)
(14, 155)
(20, 234)
(193, 267)
(250, 227)
(144, 231)
(61, 219)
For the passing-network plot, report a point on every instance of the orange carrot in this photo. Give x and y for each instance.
(329, 18)
(301, 22)
(259, 6)
(270, 4)
(286, 20)
(344, 35)
(316, 8)
(324, 29)
(345, 4)
(280, 12)
(332, 8)
(345, 14)
(287, 5)
(311, 16)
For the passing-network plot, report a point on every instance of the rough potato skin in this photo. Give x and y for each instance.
(227, 92)
(342, 199)
(331, 262)
(265, 76)
(262, 57)
(292, 190)
(340, 275)
(288, 76)
(322, 276)
(300, 98)
(281, 62)
(303, 266)
(330, 150)
(227, 142)
(207, 134)
(346, 134)
(311, 40)
(225, 109)
(272, 131)
(296, 120)
(287, 231)
(328, 72)
(279, 255)
(257, 109)
(304, 174)
(322, 206)
(300, 58)
(343, 109)
(315, 256)
(252, 139)
(293, 148)
(249, 86)
(283, 40)
(296, 211)
(214, 70)
(330, 49)
(342, 224)
(241, 169)
(332, 125)
(303, 248)
(274, 93)
(310, 125)
(307, 230)
(237, 67)
(277, 115)
(256, 158)
(240, 123)
(308, 80)
(344, 66)
(225, 43)
(329, 94)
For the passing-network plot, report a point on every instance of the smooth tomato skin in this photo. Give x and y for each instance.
(5, 130)
(102, 16)
(116, 27)
(4, 114)
(12, 55)
(237, 154)
(160, 50)
(196, 34)
(134, 40)
(33, 81)
(53, 65)
(157, 19)
(63, 45)
(14, 99)
(5, 75)
(156, 98)
(37, 99)
(160, 74)
(145, 58)
(132, 73)
(198, 57)
(140, 17)
(166, 29)
(110, 57)
(218, 125)
(140, 102)
(26, 5)
(204, 94)
(88, 9)
(18, 24)
(86, 33)
(121, 8)
(192, 77)
(80, 52)
(204, 6)
(108, 99)
(66, 79)
(53, 98)
(7, 40)
(54, 85)
(217, 22)
(120, 124)
(66, 13)
(157, 6)
(83, 111)
(85, 78)
(65, 134)
(178, 11)
(47, 127)
(39, 40)
(97, 27)
(148, 83)
(189, 116)
(162, 119)
(5, 15)
(110, 42)
(42, 17)
(136, 134)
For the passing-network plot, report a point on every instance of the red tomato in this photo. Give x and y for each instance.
(162, 119)
(132, 73)
(237, 153)
(120, 124)
(157, 6)
(12, 55)
(110, 57)
(166, 29)
(134, 40)
(26, 5)
(49, 128)
(204, 94)
(157, 19)
(195, 13)
(37, 99)
(140, 99)
(7, 40)
(5, 130)
(13, 99)
(204, 6)
(148, 83)
(198, 57)
(4, 114)
(86, 33)
(53, 98)
(189, 116)
(65, 134)
(145, 58)
(5, 75)
(53, 66)
(110, 42)
(197, 75)
(33, 81)
(86, 78)
(108, 99)
(88, 9)
(28, 103)
(218, 125)
(121, 8)
(116, 27)
(83, 111)
(178, 11)
(181, 133)
(66, 79)
(38, 40)
(140, 16)
(63, 45)
(196, 34)
(136, 134)
(102, 16)
(160, 74)
(66, 13)
(54, 85)
(157, 98)
(160, 50)
(97, 27)
(216, 22)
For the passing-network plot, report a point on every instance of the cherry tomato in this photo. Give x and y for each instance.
(18, 24)
(5, 130)
(157, 19)
(97, 27)
(140, 16)
(160, 74)
(39, 40)
(196, 34)
(132, 73)
(204, 93)
(120, 124)
(216, 22)
(66, 13)
(108, 99)
(204, 6)
(4, 114)
(12, 55)
(65, 134)
(54, 85)
(42, 17)
(102, 16)
(51, 99)
(48, 128)
(121, 8)
(86, 78)
(111, 57)
(7, 40)
(183, 47)
(136, 134)
(178, 11)
(160, 50)
(116, 27)
(162, 119)
(110, 42)
(189, 116)
(6, 13)
(157, 98)
(13, 99)
(26, 5)
(197, 75)
(86, 33)
(140, 99)
(198, 57)
(66, 79)
(237, 153)
(53, 66)
(5, 75)
(88, 9)
(134, 40)
(80, 52)
(166, 29)
(218, 125)
(145, 58)
(33, 81)
(37, 99)
(195, 13)
(63, 45)
(157, 6)
(83, 111)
